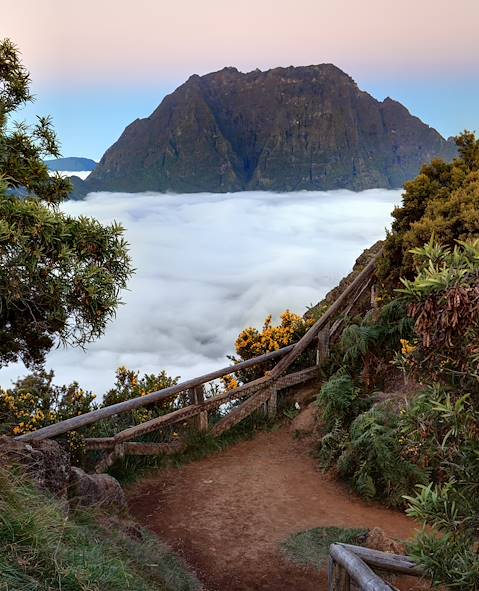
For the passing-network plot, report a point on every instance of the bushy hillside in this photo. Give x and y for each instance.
(400, 411)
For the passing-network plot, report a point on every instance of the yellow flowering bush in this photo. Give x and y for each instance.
(35, 402)
(230, 382)
(407, 348)
(252, 342)
(129, 385)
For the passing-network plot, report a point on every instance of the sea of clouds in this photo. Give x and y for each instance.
(208, 265)
(80, 173)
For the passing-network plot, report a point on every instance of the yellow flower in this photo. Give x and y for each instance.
(407, 348)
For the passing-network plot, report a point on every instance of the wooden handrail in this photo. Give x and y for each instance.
(352, 563)
(128, 405)
(192, 410)
(356, 569)
(334, 309)
(289, 354)
(394, 563)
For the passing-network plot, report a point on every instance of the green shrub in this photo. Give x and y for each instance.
(34, 402)
(332, 445)
(442, 201)
(340, 401)
(369, 345)
(444, 303)
(448, 553)
(373, 457)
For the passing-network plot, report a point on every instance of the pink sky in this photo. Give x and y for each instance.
(140, 40)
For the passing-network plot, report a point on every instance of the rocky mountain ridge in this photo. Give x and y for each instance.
(71, 164)
(284, 129)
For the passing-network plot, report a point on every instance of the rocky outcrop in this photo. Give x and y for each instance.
(45, 462)
(48, 465)
(284, 129)
(378, 540)
(96, 490)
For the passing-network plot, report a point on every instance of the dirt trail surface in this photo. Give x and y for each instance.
(228, 514)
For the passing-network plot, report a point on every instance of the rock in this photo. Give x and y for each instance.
(306, 393)
(305, 422)
(378, 540)
(286, 129)
(96, 490)
(45, 462)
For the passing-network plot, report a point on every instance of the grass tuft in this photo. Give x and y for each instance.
(311, 547)
(44, 548)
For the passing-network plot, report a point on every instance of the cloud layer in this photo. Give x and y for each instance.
(209, 265)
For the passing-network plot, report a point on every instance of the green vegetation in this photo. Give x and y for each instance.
(311, 547)
(60, 283)
(400, 410)
(42, 548)
(442, 202)
(35, 401)
(60, 276)
(251, 343)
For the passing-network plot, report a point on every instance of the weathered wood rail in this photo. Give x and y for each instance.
(351, 568)
(256, 394)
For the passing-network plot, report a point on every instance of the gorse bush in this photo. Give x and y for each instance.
(252, 342)
(129, 385)
(34, 402)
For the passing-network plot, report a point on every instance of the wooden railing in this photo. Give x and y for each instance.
(261, 392)
(351, 567)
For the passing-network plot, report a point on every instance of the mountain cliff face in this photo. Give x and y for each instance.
(284, 129)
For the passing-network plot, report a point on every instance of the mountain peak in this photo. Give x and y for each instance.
(288, 128)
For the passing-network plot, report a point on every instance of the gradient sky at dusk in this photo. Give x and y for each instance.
(98, 65)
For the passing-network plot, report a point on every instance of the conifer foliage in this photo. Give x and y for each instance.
(60, 276)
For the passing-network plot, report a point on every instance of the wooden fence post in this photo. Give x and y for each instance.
(338, 577)
(202, 423)
(272, 403)
(342, 580)
(197, 396)
(330, 573)
(322, 350)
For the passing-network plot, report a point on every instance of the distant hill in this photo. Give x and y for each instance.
(71, 164)
(284, 129)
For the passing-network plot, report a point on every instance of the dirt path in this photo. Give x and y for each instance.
(227, 514)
